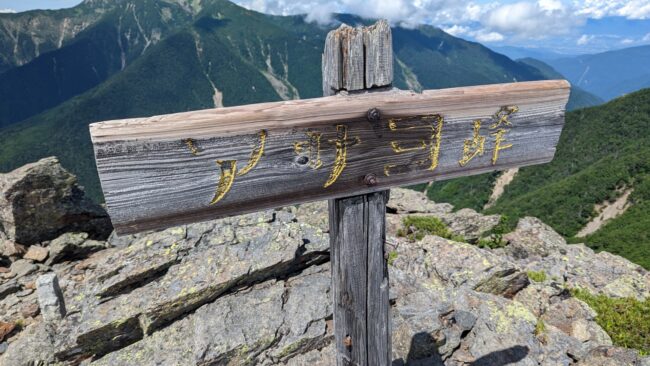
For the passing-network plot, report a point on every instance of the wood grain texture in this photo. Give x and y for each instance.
(358, 223)
(377, 40)
(378, 302)
(360, 279)
(349, 257)
(152, 179)
(357, 58)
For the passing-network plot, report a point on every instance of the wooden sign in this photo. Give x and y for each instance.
(167, 170)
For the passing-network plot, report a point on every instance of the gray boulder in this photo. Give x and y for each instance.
(35, 346)
(267, 324)
(40, 201)
(23, 267)
(533, 239)
(72, 246)
(443, 263)
(162, 276)
(613, 356)
(50, 298)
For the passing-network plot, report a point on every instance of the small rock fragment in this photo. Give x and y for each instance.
(23, 267)
(6, 329)
(8, 288)
(36, 253)
(50, 297)
(10, 249)
(30, 310)
(72, 246)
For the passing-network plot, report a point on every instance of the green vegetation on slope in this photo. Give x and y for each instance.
(470, 192)
(96, 53)
(417, 227)
(138, 91)
(568, 203)
(629, 234)
(627, 321)
(602, 151)
(537, 276)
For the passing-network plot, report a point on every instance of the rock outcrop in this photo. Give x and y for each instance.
(42, 200)
(254, 290)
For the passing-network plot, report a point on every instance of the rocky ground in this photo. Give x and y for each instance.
(254, 289)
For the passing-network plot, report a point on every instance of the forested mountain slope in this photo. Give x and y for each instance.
(603, 153)
(161, 56)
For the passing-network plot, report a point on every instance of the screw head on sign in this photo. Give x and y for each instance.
(373, 115)
(370, 179)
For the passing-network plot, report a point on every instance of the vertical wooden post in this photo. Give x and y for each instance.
(358, 59)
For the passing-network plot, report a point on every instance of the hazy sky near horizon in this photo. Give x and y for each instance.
(569, 26)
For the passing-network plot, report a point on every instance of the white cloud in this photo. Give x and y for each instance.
(321, 14)
(585, 39)
(627, 41)
(635, 9)
(646, 38)
(532, 20)
(483, 36)
(407, 13)
(457, 30)
(7, 11)
(550, 5)
(631, 9)
(483, 20)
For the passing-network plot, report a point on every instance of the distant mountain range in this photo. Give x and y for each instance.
(608, 75)
(516, 53)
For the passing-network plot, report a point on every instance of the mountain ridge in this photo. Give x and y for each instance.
(609, 74)
(238, 57)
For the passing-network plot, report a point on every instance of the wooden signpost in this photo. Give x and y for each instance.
(349, 147)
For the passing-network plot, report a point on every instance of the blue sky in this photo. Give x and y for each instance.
(22, 5)
(561, 26)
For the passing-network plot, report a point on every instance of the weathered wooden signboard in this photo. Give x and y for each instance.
(174, 169)
(350, 148)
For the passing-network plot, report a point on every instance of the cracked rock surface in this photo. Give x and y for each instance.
(255, 290)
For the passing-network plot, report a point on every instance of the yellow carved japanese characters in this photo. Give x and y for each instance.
(342, 142)
(501, 120)
(475, 146)
(256, 154)
(191, 145)
(432, 141)
(498, 140)
(312, 146)
(501, 117)
(229, 168)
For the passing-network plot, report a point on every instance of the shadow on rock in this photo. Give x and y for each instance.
(423, 351)
(503, 357)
